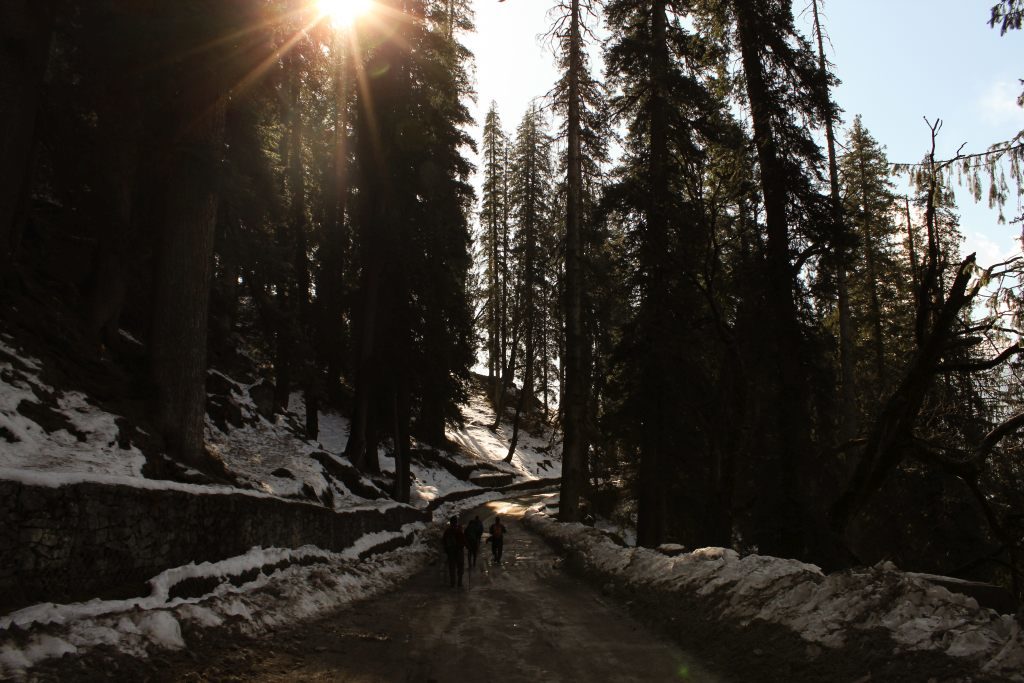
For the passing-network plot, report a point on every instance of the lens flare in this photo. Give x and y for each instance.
(343, 13)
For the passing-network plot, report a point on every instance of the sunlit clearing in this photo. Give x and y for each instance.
(500, 507)
(342, 13)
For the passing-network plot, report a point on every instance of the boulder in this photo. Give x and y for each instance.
(224, 411)
(262, 395)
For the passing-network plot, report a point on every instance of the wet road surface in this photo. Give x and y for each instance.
(525, 620)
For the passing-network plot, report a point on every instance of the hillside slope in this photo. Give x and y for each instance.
(113, 545)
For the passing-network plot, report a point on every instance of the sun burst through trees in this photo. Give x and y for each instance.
(342, 13)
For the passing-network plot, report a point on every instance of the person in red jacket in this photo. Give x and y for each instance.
(453, 541)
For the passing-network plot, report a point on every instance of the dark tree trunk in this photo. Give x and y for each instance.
(929, 287)
(785, 399)
(293, 285)
(370, 462)
(366, 367)
(379, 218)
(544, 355)
(284, 349)
(651, 498)
(504, 349)
(911, 246)
(331, 287)
(403, 452)
(574, 446)
(185, 257)
(430, 424)
(119, 114)
(26, 27)
(524, 397)
(508, 373)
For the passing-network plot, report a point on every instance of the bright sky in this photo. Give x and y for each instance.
(514, 64)
(899, 60)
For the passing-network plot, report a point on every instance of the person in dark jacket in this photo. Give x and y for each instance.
(453, 541)
(474, 531)
(497, 539)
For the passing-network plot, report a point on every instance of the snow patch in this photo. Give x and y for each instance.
(94, 449)
(162, 629)
(532, 458)
(824, 610)
(293, 592)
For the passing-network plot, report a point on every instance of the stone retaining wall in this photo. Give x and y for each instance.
(80, 541)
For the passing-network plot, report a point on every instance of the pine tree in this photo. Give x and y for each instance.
(193, 85)
(660, 77)
(574, 445)
(444, 334)
(493, 238)
(839, 259)
(531, 189)
(292, 283)
(878, 303)
(940, 340)
(333, 278)
(782, 79)
(415, 340)
(1008, 14)
(578, 97)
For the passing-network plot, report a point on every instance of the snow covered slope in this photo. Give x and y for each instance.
(50, 437)
(54, 437)
(43, 429)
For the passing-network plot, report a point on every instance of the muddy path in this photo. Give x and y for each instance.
(525, 620)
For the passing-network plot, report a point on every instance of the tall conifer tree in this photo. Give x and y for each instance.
(656, 66)
(493, 238)
(879, 296)
(531, 193)
(782, 78)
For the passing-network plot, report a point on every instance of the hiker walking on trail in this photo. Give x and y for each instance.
(453, 541)
(497, 539)
(474, 531)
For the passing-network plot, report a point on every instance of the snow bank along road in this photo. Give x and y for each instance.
(525, 620)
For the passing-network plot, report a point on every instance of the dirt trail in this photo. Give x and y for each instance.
(525, 620)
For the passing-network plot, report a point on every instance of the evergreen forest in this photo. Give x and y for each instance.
(684, 259)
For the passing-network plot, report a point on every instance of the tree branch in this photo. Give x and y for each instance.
(899, 167)
(1008, 353)
(962, 466)
(993, 438)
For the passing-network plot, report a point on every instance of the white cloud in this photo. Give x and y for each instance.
(990, 251)
(998, 104)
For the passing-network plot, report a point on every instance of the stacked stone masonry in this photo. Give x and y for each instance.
(80, 541)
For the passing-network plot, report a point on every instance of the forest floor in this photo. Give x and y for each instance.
(526, 619)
